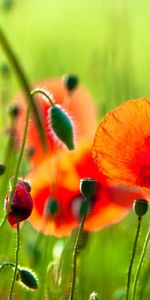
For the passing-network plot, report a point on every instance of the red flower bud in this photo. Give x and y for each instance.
(21, 205)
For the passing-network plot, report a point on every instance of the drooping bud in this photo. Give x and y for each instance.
(21, 205)
(2, 169)
(62, 125)
(94, 296)
(140, 207)
(88, 187)
(70, 82)
(27, 278)
(51, 207)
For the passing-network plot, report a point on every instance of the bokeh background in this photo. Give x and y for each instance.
(106, 43)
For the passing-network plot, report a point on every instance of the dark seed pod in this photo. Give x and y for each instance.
(140, 207)
(88, 187)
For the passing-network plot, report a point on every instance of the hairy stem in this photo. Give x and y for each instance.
(75, 251)
(132, 257)
(140, 264)
(16, 262)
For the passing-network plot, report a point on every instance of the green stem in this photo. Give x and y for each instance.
(17, 167)
(7, 264)
(144, 282)
(140, 264)
(132, 257)
(16, 262)
(24, 82)
(75, 251)
(44, 93)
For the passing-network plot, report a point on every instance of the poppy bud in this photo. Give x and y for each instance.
(2, 169)
(62, 125)
(140, 207)
(21, 203)
(51, 207)
(94, 296)
(27, 278)
(70, 82)
(88, 187)
(13, 110)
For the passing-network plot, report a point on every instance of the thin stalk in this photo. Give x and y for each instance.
(16, 262)
(23, 81)
(75, 251)
(44, 93)
(144, 281)
(17, 167)
(132, 257)
(140, 264)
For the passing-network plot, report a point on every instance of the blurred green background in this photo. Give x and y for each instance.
(106, 43)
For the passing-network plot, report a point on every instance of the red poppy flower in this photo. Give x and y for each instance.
(21, 204)
(55, 185)
(79, 105)
(121, 146)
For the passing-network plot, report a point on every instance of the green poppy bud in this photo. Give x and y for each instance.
(13, 110)
(51, 207)
(70, 82)
(88, 187)
(27, 278)
(62, 125)
(140, 207)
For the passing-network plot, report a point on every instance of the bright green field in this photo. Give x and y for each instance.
(106, 43)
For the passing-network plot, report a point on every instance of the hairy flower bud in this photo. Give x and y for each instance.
(62, 125)
(27, 278)
(21, 203)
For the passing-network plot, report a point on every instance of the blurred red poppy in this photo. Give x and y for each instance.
(79, 105)
(121, 148)
(57, 199)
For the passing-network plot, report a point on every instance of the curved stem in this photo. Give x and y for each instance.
(24, 82)
(140, 264)
(44, 93)
(132, 257)
(16, 262)
(75, 250)
(7, 264)
(17, 167)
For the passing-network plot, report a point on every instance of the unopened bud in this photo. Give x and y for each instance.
(51, 207)
(27, 278)
(13, 110)
(140, 207)
(88, 187)
(62, 125)
(70, 82)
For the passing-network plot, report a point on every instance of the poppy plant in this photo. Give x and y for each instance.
(121, 148)
(57, 199)
(79, 105)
